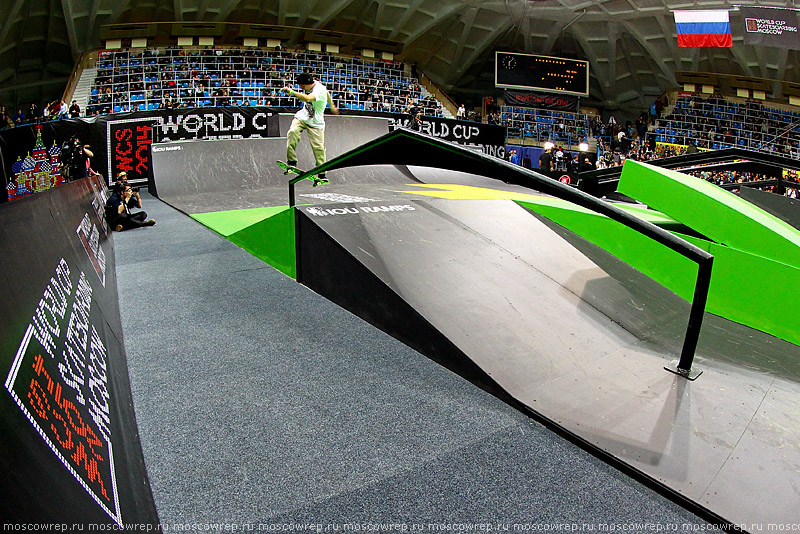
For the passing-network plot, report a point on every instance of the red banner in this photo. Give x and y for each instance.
(542, 101)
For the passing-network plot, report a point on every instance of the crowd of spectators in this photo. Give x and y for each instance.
(544, 125)
(33, 114)
(717, 123)
(692, 123)
(135, 80)
(129, 80)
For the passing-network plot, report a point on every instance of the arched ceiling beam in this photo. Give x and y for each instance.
(282, 9)
(485, 46)
(11, 19)
(202, 9)
(467, 21)
(401, 24)
(611, 54)
(69, 21)
(654, 56)
(91, 27)
(437, 19)
(229, 7)
(329, 16)
(177, 10)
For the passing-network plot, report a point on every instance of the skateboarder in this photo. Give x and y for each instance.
(311, 118)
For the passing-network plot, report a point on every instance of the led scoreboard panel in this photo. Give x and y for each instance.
(543, 73)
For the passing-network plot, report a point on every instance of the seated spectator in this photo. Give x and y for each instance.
(19, 118)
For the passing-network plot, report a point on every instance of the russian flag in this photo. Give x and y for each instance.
(705, 27)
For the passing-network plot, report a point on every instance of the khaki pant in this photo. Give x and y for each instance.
(316, 136)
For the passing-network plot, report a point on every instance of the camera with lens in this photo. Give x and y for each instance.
(135, 189)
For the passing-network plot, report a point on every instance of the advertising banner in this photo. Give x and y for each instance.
(488, 138)
(542, 101)
(69, 444)
(770, 27)
(130, 136)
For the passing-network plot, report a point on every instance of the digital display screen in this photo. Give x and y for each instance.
(541, 73)
(129, 148)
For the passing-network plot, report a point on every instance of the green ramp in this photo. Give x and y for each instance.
(742, 289)
(266, 233)
(712, 211)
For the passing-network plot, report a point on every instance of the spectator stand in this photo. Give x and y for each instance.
(717, 123)
(140, 80)
(535, 126)
(732, 169)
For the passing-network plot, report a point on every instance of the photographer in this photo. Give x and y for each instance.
(122, 179)
(75, 157)
(119, 206)
(414, 121)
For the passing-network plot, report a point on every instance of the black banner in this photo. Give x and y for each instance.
(542, 101)
(69, 445)
(770, 27)
(489, 138)
(130, 135)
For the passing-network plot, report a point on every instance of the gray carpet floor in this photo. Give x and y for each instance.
(262, 405)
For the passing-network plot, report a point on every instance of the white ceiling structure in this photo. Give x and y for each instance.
(631, 44)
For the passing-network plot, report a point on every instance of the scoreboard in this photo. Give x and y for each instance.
(542, 73)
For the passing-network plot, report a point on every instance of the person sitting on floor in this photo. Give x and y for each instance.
(119, 206)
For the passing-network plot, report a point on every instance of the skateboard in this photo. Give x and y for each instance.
(291, 168)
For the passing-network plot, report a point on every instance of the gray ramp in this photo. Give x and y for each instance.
(342, 133)
(582, 339)
(214, 175)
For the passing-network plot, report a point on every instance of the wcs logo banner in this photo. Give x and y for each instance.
(59, 379)
(128, 148)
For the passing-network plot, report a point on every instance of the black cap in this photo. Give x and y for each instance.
(304, 78)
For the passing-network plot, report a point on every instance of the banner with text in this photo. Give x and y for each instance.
(488, 138)
(69, 445)
(543, 101)
(129, 136)
(770, 27)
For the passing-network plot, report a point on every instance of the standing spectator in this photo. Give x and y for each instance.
(546, 162)
(461, 113)
(33, 113)
(79, 159)
(55, 109)
(6, 121)
(74, 110)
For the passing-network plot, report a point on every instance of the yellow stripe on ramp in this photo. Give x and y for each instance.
(468, 192)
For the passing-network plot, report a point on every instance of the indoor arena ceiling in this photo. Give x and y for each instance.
(631, 44)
